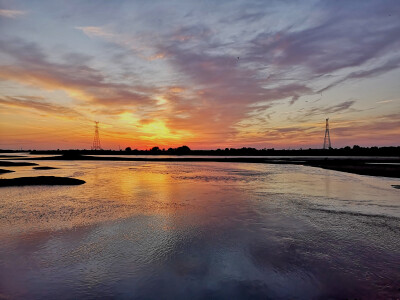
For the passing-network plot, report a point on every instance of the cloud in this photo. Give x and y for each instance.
(299, 54)
(372, 72)
(309, 114)
(188, 75)
(343, 133)
(31, 66)
(94, 31)
(11, 13)
(385, 129)
(226, 88)
(384, 101)
(93, 90)
(336, 108)
(39, 104)
(222, 89)
(137, 45)
(333, 44)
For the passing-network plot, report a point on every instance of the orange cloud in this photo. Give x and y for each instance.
(176, 89)
(42, 79)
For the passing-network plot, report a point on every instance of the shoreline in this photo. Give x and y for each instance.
(379, 166)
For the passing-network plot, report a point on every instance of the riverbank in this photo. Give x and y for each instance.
(373, 166)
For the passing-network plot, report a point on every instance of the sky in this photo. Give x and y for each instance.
(206, 74)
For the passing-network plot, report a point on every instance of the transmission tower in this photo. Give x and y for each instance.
(96, 141)
(327, 139)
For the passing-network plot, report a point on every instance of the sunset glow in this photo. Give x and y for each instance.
(207, 74)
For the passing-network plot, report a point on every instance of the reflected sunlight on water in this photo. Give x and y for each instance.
(204, 230)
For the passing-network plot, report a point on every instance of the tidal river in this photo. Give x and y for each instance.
(179, 230)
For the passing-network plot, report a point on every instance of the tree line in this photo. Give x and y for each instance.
(244, 151)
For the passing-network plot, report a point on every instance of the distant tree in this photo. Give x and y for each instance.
(128, 149)
(356, 147)
(183, 150)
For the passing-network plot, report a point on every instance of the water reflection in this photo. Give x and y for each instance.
(199, 230)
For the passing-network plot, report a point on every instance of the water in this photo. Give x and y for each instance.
(175, 230)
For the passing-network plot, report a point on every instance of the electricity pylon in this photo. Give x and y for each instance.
(96, 141)
(327, 139)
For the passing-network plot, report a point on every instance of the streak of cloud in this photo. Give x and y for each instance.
(40, 105)
(8, 13)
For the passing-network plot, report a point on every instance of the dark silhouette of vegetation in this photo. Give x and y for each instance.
(40, 180)
(245, 151)
(3, 171)
(183, 150)
(15, 164)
